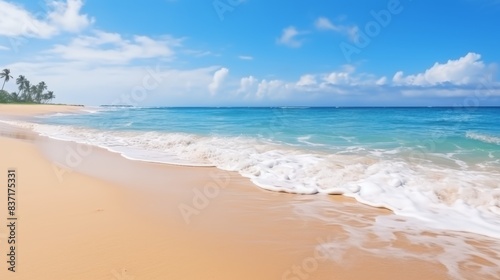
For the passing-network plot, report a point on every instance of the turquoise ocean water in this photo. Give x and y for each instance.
(440, 165)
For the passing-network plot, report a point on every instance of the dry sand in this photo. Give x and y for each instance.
(86, 213)
(30, 110)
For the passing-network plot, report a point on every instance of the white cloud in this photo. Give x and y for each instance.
(80, 83)
(343, 77)
(217, 80)
(247, 85)
(112, 48)
(343, 82)
(382, 81)
(347, 76)
(18, 22)
(289, 37)
(196, 53)
(62, 16)
(67, 15)
(306, 80)
(3, 48)
(271, 89)
(466, 70)
(352, 31)
(245, 57)
(325, 24)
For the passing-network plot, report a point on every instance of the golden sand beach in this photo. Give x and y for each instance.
(86, 213)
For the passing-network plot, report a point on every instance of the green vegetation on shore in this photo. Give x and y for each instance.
(27, 92)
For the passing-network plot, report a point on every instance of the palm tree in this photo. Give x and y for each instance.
(32, 93)
(25, 88)
(50, 95)
(40, 88)
(46, 97)
(20, 84)
(14, 97)
(5, 75)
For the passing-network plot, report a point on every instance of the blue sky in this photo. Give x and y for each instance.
(256, 53)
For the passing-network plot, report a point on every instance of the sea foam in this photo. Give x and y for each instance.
(484, 137)
(441, 197)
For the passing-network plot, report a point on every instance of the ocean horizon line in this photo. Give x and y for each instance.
(292, 107)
